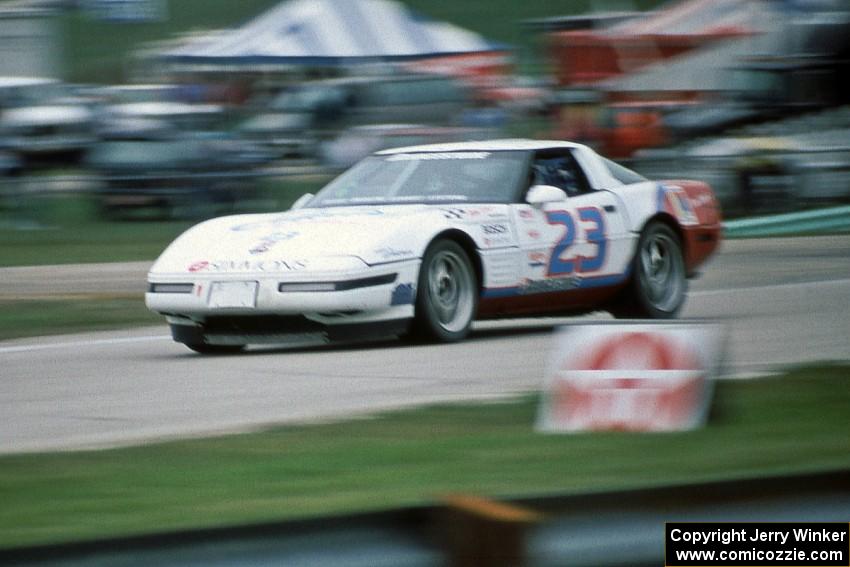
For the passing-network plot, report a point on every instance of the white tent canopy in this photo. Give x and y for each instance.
(332, 32)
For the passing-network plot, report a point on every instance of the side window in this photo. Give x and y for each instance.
(623, 174)
(559, 170)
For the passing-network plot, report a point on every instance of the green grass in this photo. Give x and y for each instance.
(27, 318)
(100, 52)
(764, 427)
(67, 229)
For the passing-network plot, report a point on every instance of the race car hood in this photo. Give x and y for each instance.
(323, 240)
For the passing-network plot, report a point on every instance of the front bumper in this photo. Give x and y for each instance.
(374, 294)
(282, 329)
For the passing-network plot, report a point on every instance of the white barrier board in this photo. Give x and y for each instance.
(630, 377)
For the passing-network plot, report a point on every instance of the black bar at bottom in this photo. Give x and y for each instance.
(757, 544)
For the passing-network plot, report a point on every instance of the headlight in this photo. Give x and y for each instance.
(171, 287)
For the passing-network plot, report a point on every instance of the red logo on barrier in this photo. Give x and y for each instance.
(631, 381)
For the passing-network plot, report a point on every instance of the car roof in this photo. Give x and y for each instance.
(484, 145)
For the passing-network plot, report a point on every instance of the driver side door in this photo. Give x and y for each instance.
(576, 242)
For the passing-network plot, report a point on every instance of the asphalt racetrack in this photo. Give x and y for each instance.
(783, 301)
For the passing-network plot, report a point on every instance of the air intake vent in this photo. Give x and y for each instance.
(337, 286)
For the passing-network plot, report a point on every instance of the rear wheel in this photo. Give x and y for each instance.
(447, 293)
(658, 285)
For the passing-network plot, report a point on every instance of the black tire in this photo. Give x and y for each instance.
(446, 295)
(658, 284)
(204, 348)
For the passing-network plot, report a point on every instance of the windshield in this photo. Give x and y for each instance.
(434, 177)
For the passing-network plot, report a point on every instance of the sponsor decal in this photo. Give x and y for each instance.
(260, 248)
(223, 266)
(499, 241)
(549, 285)
(674, 200)
(401, 199)
(267, 242)
(492, 229)
(525, 287)
(314, 214)
(438, 156)
(403, 294)
(454, 214)
(485, 211)
(702, 200)
(330, 215)
(526, 214)
(537, 259)
(496, 234)
(388, 253)
(535, 234)
(465, 213)
(257, 225)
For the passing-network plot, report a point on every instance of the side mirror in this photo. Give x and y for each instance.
(540, 194)
(301, 201)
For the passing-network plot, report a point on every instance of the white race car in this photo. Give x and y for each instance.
(423, 240)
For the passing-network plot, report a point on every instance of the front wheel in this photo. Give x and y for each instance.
(447, 293)
(658, 285)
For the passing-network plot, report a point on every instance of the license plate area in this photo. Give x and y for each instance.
(233, 295)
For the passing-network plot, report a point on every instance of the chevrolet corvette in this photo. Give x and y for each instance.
(422, 241)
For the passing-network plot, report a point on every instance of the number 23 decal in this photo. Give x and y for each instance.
(558, 265)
